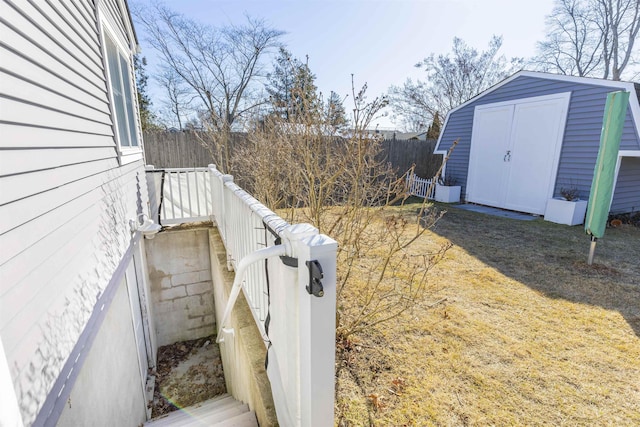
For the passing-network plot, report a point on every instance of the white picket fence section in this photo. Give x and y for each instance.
(421, 187)
(301, 335)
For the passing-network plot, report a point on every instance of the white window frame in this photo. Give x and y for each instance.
(126, 121)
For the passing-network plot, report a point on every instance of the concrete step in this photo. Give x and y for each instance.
(248, 419)
(221, 411)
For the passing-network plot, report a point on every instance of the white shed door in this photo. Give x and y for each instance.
(515, 148)
(487, 162)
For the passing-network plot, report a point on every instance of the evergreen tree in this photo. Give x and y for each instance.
(335, 112)
(433, 132)
(291, 87)
(147, 118)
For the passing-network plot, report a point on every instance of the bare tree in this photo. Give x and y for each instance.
(412, 104)
(590, 38)
(221, 66)
(619, 22)
(178, 97)
(571, 47)
(451, 80)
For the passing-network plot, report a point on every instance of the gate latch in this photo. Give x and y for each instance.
(315, 274)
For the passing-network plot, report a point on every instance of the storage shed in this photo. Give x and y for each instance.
(525, 139)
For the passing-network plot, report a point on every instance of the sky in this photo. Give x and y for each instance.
(379, 41)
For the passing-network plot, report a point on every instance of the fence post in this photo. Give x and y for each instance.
(317, 325)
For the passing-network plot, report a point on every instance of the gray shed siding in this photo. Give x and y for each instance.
(582, 132)
(65, 197)
(626, 197)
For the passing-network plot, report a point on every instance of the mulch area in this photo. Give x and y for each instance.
(630, 218)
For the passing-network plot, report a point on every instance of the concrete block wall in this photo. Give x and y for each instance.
(181, 288)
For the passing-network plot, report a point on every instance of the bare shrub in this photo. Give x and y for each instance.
(338, 184)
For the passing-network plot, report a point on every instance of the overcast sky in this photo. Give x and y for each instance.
(379, 41)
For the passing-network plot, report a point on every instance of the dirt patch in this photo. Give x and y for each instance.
(188, 226)
(188, 372)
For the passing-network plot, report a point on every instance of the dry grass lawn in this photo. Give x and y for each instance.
(515, 329)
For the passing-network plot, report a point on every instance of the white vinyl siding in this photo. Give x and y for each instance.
(65, 195)
(626, 197)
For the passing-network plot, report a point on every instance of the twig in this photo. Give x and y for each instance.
(437, 302)
(458, 397)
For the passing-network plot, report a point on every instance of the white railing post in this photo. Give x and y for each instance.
(153, 191)
(227, 212)
(317, 325)
(215, 200)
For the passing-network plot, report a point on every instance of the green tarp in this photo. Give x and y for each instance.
(615, 112)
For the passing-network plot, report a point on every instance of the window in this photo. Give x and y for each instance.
(120, 82)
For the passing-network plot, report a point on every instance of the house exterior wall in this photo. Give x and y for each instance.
(108, 379)
(67, 191)
(582, 131)
(626, 197)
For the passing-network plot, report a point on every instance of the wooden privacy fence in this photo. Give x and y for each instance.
(183, 149)
(403, 153)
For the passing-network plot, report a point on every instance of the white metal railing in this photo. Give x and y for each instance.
(301, 334)
(300, 338)
(421, 187)
(245, 226)
(177, 196)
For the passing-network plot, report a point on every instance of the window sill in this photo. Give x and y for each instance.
(130, 155)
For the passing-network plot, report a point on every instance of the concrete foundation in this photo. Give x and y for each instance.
(181, 288)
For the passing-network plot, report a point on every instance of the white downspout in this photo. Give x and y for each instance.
(259, 255)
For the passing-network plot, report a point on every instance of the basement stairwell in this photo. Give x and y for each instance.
(221, 411)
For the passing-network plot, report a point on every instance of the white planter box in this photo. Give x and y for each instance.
(564, 212)
(447, 193)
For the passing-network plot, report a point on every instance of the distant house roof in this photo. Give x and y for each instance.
(396, 134)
